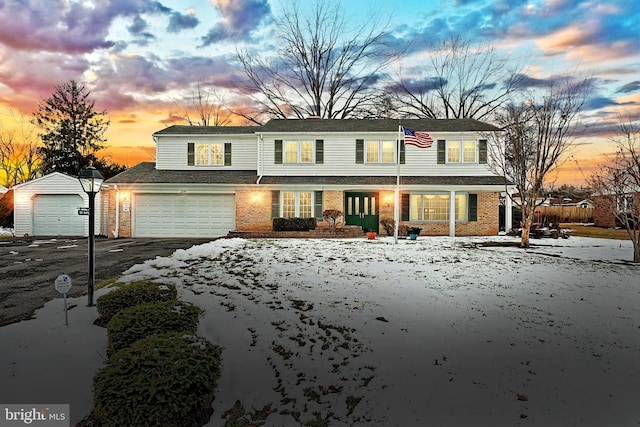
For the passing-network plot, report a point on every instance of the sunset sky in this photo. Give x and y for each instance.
(140, 58)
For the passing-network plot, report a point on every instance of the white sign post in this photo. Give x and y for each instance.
(62, 285)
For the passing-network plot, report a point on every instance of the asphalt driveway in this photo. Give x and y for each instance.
(28, 267)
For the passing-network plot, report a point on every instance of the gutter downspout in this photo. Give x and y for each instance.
(116, 232)
(260, 157)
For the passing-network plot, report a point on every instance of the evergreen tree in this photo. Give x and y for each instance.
(72, 130)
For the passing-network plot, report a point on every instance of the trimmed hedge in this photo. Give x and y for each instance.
(166, 380)
(134, 293)
(141, 321)
(294, 224)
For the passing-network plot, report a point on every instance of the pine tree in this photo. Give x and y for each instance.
(72, 130)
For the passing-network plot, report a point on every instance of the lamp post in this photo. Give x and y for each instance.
(91, 181)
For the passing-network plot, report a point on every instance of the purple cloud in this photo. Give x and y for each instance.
(179, 22)
(630, 87)
(239, 18)
(66, 27)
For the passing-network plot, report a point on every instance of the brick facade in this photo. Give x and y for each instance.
(486, 225)
(253, 213)
(603, 212)
(123, 217)
(253, 210)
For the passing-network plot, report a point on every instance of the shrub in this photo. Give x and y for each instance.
(332, 216)
(389, 225)
(294, 224)
(166, 380)
(131, 294)
(141, 321)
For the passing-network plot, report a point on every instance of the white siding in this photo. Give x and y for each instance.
(171, 151)
(25, 196)
(340, 157)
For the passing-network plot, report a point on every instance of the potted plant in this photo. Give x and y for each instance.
(414, 232)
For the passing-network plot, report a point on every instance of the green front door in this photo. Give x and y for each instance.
(362, 209)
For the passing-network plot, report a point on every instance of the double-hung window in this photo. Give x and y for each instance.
(297, 204)
(298, 152)
(436, 207)
(380, 151)
(462, 151)
(209, 154)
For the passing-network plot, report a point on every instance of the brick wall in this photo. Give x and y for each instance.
(124, 217)
(486, 225)
(603, 212)
(253, 210)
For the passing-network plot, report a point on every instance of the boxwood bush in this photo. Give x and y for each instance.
(134, 293)
(294, 224)
(141, 321)
(162, 380)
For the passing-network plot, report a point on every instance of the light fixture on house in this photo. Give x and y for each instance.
(91, 181)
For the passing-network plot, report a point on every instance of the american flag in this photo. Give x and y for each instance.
(419, 139)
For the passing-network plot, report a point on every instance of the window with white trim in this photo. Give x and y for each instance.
(380, 151)
(298, 152)
(297, 204)
(209, 154)
(462, 151)
(436, 207)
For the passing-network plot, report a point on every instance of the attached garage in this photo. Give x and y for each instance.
(183, 214)
(48, 206)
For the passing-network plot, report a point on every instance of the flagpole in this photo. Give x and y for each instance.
(396, 210)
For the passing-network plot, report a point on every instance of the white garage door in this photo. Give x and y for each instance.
(184, 215)
(57, 215)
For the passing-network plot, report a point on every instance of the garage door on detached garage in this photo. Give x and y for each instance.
(57, 215)
(183, 215)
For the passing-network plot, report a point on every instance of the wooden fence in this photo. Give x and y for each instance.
(563, 214)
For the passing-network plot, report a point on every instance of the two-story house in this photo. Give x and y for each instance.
(207, 181)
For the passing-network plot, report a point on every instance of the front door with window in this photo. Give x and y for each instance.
(362, 209)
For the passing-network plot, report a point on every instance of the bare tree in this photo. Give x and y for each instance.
(459, 80)
(205, 107)
(19, 160)
(537, 134)
(324, 66)
(618, 181)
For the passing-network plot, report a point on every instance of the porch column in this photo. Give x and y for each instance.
(452, 214)
(508, 212)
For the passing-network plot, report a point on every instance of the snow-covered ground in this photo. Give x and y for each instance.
(439, 331)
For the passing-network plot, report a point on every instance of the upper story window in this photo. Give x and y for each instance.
(462, 151)
(209, 154)
(298, 151)
(380, 151)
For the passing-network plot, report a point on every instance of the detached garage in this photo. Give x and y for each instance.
(183, 214)
(48, 206)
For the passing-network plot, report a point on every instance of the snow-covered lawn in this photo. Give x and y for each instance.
(438, 331)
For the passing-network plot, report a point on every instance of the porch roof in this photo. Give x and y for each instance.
(146, 173)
